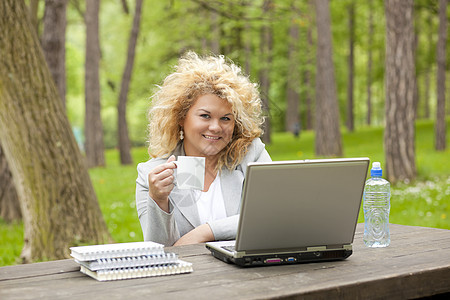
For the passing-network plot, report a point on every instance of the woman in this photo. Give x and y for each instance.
(205, 108)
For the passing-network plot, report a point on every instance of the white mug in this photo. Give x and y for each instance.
(190, 172)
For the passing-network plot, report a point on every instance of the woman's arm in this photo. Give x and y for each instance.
(200, 234)
(157, 225)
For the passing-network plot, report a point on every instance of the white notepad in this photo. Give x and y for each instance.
(179, 267)
(126, 262)
(86, 253)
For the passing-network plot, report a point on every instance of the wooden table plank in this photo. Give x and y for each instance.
(416, 264)
(38, 269)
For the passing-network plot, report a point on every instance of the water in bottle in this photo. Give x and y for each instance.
(376, 206)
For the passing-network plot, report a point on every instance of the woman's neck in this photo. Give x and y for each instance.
(210, 171)
(211, 164)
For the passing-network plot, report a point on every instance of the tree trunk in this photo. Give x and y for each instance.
(58, 201)
(124, 140)
(400, 83)
(236, 38)
(215, 38)
(369, 65)
(328, 135)
(248, 48)
(307, 77)
(440, 139)
(203, 14)
(416, 86)
(264, 72)
(351, 67)
(9, 202)
(292, 123)
(125, 7)
(33, 9)
(93, 122)
(429, 68)
(54, 43)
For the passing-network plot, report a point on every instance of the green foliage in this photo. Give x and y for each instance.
(425, 202)
(169, 28)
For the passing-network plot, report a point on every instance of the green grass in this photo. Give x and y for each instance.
(423, 202)
(11, 237)
(115, 188)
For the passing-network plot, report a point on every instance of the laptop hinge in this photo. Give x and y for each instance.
(323, 248)
(319, 248)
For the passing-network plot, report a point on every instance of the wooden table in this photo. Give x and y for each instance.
(416, 264)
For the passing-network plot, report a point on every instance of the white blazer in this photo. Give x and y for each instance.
(166, 228)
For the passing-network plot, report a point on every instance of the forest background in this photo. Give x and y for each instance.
(275, 42)
(169, 28)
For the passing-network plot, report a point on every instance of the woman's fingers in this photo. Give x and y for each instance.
(160, 180)
(169, 165)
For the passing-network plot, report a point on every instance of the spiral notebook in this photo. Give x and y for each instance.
(179, 267)
(128, 260)
(93, 252)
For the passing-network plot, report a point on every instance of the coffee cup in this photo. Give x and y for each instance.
(190, 173)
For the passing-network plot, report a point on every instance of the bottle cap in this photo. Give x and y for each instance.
(376, 169)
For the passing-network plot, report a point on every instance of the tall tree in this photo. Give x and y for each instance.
(292, 122)
(400, 83)
(328, 134)
(58, 200)
(309, 65)
(440, 130)
(9, 202)
(417, 27)
(215, 29)
(237, 44)
(204, 14)
(93, 126)
(264, 72)
(428, 70)
(124, 139)
(351, 66)
(54, 42)
(248, 47)
(369, 64)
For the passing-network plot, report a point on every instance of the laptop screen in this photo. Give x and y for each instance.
(299, 204)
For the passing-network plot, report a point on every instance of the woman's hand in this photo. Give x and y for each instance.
(200, 234)
(160, 183)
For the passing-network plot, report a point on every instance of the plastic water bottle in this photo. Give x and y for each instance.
(376, 205)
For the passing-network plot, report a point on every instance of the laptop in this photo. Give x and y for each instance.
(296, 211)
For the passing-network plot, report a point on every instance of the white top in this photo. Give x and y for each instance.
(210, 204)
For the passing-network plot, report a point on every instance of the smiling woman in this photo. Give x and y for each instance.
(206, 108)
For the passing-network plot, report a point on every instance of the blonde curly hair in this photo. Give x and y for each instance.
(193, 77)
